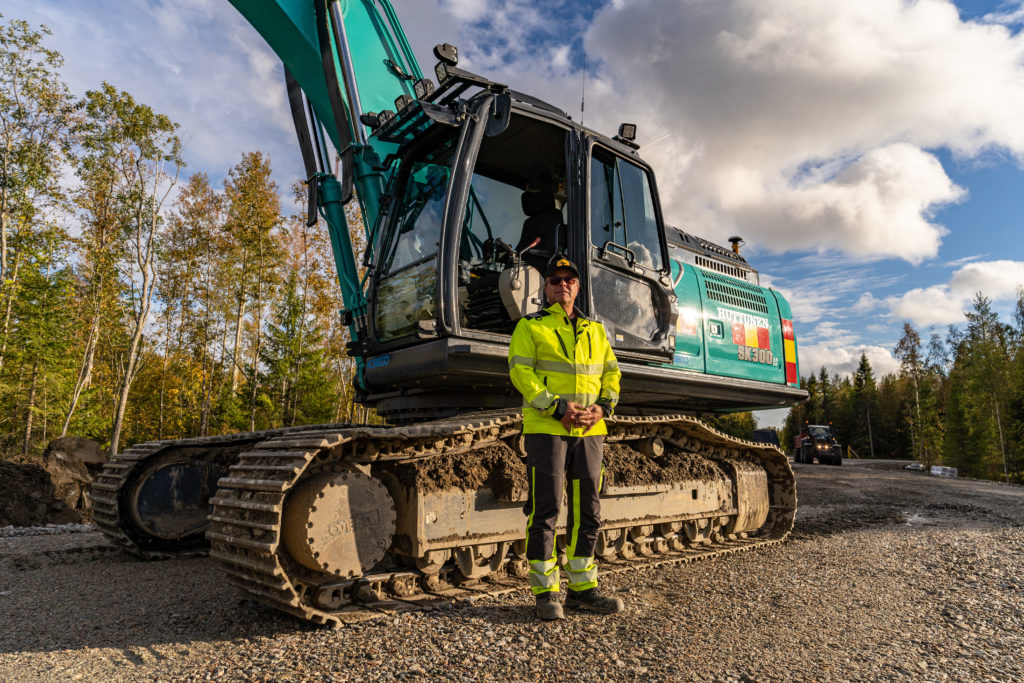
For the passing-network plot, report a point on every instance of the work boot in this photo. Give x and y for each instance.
(548, 607)
(593, 600)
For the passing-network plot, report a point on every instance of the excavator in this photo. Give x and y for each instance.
(467, 189)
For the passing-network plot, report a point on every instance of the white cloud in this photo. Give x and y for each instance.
(844, 360)
(804, 124)
(865, 303)
(198, 62)
(945, 303)
(956, 263)
(797, 123)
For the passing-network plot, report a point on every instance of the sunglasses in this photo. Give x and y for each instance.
(568, 279)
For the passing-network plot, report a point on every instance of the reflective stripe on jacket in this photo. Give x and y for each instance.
(547, 362)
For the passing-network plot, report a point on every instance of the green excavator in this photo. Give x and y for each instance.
(467, 189)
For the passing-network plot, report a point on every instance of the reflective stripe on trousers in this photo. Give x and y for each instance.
(551, 459)
(582, 573)
(544, 576)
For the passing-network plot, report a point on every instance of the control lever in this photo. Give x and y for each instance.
(515, 283)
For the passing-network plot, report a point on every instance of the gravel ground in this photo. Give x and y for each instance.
(887, 575)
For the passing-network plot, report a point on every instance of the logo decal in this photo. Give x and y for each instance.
(755, 355)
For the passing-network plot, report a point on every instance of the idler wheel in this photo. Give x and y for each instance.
(339, 523)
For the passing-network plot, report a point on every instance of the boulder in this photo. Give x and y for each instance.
(85, 451)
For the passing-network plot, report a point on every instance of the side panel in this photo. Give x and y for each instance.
(689, 352)
(742, 329)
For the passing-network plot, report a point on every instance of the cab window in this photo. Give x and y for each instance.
(622, 209)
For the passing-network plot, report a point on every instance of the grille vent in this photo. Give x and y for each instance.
(738, 294)
(710, 264)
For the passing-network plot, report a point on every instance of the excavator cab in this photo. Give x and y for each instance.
(479, 204)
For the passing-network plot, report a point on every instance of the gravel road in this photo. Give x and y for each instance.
(887, 575)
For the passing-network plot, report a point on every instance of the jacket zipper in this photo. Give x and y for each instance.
(562, 344)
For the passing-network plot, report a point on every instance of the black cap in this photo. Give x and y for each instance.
(562, 263)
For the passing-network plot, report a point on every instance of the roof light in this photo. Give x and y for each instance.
(441, 71)
(423, 88)
(627, 131)
(403, 101)
(449, 54)
(370, 119)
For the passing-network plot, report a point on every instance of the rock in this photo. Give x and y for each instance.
(77, 448)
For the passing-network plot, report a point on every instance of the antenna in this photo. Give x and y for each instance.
(583, 88)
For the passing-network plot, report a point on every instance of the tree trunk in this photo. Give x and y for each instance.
(871, 440)
(8, 304)
(1002, 446)
(31, 406)
(125, 388)
(252, 392)
(163, 380)
(3, 227)
(235, 368)
(259, 338)
(85, 372)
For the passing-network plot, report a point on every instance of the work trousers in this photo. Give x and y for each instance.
(572, 465)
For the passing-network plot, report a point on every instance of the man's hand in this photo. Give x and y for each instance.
(588, 417)
(572, 416)
(584, 418)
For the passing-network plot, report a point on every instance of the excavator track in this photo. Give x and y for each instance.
(249, 524)
(111, 490)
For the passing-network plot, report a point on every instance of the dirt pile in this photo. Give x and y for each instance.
(28, 497)
(497, 467)
(625, 466)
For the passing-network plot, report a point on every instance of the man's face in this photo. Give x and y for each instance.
(562, 288)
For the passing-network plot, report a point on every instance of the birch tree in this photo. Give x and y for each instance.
(35, 112)
(140, 152)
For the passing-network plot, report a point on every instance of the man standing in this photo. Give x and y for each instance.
(563, 365)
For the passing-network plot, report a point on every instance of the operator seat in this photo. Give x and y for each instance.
(543, 219)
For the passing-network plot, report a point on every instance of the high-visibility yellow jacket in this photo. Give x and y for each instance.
(548, 363)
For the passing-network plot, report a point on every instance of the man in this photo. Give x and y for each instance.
(563, 365)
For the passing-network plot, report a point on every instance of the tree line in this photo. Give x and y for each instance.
(956, 400)
(138, 301)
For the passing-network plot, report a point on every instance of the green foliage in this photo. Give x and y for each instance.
(295, 363)
(958, 402)
(741, 425)
(124, 315)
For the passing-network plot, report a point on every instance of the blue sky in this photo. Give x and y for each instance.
(869, 152)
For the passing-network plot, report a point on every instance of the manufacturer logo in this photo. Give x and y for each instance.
(379, 362)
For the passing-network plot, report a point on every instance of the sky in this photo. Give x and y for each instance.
(869, 153)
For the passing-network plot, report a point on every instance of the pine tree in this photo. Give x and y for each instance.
(295, 364)
(865, 395)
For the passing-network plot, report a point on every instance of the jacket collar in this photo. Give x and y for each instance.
(556, 309)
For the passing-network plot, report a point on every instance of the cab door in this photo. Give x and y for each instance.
(630, 291)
